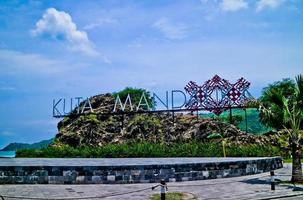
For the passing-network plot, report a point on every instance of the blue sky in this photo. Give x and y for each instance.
(52, 49)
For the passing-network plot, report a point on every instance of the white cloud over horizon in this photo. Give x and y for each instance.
(59, 25)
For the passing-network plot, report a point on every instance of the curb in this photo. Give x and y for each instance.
(278, 197)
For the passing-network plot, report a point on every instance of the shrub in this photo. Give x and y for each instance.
(145, 149)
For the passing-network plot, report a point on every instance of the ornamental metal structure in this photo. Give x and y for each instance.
(217, 95)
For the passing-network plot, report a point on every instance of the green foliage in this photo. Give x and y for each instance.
(286, 86)
(91, 118)
(271, 98)
(214, 135)
(145, 125)
(282, 108)
(253, 121)
(146, 121)
(145, 149)
(218, 135)
(60, 125)
(253, 150)
(135, 94)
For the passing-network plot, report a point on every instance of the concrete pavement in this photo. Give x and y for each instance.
(245, 187)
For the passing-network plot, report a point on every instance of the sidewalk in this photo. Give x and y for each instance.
(245, 187)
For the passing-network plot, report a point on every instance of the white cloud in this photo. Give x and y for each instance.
(170, 30)
(100, 23)
(233, 5)
(60, 26)
(263, 4)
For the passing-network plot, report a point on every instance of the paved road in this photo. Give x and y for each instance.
(246, 187)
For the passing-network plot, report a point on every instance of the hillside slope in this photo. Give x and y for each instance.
(37, 145)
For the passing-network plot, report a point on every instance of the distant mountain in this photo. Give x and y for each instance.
(38, 145)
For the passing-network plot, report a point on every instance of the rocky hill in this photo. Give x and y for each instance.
(101, 129)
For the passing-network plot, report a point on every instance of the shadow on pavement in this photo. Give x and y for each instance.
(278, 182)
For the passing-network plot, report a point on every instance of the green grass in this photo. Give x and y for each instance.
(144, 149)
(170, 195)
(289, 160)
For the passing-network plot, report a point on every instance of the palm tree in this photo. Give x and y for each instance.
(287, 111)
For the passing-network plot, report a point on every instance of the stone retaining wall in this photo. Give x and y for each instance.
(135, 173)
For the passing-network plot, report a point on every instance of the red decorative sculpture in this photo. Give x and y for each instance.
(217, 95)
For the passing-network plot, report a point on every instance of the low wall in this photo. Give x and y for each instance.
(129, 170)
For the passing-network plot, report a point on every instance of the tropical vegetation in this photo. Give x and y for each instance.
(135, 94)
(147, 149)
(281, 107)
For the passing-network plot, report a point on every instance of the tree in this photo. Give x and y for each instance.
(286, 88)
(281, 107)
(135, 94)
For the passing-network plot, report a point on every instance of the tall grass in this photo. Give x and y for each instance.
(144, 149)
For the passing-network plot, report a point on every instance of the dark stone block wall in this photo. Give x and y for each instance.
(135, 173)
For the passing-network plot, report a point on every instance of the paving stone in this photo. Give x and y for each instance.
(245, 187)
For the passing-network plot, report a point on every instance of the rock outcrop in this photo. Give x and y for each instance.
(100, 128)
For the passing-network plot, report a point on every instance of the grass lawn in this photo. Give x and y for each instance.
(289, 160)
(173, 195)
